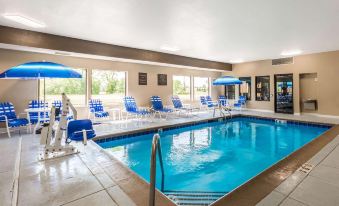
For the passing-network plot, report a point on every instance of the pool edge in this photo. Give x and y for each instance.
(257, 188)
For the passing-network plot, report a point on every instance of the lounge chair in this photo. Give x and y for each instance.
(34, 116)
(97, 109)
(132, 108)
(178, 106)
(58, 106)
(223, 101)
(158, 107)
(211, 103)
(240, 103)
(9, 117)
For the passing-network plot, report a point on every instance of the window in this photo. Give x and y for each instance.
(108, 86)
(262, 88)
(182, 87)
(201, 87)
(245, 87)
(75, 89)
(230, 91)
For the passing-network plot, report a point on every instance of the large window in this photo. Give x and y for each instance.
(262, 88)
(75, 89)
(245, 87)
(201, 87)
(108, 86)
(182, 87)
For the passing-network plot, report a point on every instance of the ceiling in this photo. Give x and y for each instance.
(218, 30)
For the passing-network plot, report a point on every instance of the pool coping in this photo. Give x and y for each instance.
(255, 189)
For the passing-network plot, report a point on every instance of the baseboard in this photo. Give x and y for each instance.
(260, 110)
(321, 115)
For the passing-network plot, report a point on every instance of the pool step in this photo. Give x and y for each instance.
(193, 198)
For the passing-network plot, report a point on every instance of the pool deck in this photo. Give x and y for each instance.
(93, 177)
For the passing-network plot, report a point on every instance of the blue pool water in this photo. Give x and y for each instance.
(214, 157)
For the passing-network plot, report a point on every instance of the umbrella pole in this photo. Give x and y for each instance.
(44, 91)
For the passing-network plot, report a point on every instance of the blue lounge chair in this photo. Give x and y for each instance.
(33, 116)
(178, 106)
(9, 117)
(210, 102)
(203, 102)
(223, 101)
(97, 109)
(80, 130)
(158, 107)
(132, 108)
(240, 103)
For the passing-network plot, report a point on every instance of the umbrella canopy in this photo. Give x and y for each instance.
(40, 70)
(227, 80)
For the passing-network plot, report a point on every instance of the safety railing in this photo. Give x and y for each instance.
(156, 149)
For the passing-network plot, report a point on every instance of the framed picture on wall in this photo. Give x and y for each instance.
(162, 79)
(142, 78)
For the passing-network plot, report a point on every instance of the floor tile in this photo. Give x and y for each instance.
(291, 202)
(56, 191)
(291, 182)
(313, 191)
(120, 197)
(6, 180)
(326, 174)
(100, 198)
(274, 198)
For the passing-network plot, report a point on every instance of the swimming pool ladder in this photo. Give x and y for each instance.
(156, 148)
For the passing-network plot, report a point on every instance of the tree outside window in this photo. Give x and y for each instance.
(201, 87)
(74, 88)
(182, 87)
(108, 86)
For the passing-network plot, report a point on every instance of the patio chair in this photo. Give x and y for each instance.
(34, 116)
(178, 106)
(240, 103)
(223, 101)
(132, 108)
(80, 130)
(158, 107)
(58, 106)
(97, 109)
(211, 103)
(9, 117)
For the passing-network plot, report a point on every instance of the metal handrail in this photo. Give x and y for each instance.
(156, 147)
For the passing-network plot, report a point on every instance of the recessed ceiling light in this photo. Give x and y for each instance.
(291, 53)
(237, 61)
(24, 20)
(170, 48)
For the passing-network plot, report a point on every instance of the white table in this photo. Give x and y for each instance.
(116, 112)
(38, 110)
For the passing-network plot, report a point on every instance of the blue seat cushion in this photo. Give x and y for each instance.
(78, 136)
(101, 114)
(17, 122)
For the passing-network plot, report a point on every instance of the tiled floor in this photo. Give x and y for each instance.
(93, 178)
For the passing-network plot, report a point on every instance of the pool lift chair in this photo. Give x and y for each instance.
(77, 130)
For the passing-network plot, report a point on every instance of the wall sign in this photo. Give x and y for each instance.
(142, 78)
(162, 79)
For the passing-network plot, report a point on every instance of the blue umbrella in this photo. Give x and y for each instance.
(226, 80)
(40, 70)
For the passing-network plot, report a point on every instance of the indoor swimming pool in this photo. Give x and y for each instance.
(216, 156)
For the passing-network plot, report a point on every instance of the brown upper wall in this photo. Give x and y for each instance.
(20, 92)
(22, 37)
(326, 65)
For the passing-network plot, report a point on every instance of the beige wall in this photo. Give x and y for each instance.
(21, 91)
(326, 65)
